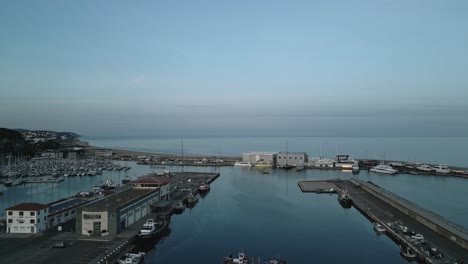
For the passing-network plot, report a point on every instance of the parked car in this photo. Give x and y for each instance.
(60, 244)
(417, 237)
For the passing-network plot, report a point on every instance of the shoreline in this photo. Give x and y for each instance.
(135, 153)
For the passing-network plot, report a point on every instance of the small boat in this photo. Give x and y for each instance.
(242, 164)
(7, 183)
(151, 228)
(180, 207)
(300, 167)
(356, 169)
(204, 188)
(241, 258)
(407, 252)
(132, 258)
(379, 228)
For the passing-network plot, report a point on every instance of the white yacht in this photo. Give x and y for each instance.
(242, 164)
(382, 168)
(424, 167)
(321, 162)
(442, 168)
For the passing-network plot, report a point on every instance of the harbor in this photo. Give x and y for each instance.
(432, 238)
(109, 248)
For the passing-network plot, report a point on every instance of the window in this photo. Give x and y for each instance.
(38, 220)
(31, 221)
(91, 216)
(72, 212)
(295, 157)
(44, 210)
(21, 213)
(10, 213)
(38, 212)
(32, 213)
(289, 157)
(45, 218)
(66, 214)
(10, 221)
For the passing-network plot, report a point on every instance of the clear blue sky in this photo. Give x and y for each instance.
(235, 67)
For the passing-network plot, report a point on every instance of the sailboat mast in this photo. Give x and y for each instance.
(182, 145)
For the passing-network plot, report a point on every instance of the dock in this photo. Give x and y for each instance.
(395, 213)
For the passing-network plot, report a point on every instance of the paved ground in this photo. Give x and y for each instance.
(389, 214)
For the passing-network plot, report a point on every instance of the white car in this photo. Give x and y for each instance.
(417, 237)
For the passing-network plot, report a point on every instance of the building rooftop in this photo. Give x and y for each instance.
(152, 180)
(60, 206)
(112, 202)
(260, 153)
(293, 153)
(28, 207)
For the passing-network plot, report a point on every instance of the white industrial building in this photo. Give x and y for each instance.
(260, 158)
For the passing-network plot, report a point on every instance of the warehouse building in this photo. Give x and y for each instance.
(115, 213)
(291, 158)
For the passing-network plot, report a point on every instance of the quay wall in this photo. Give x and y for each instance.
(437, 223)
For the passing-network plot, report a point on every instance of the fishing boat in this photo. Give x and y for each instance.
(152, 228)
(191, 199)
(344, 199)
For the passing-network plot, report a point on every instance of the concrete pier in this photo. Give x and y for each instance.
(383, 207)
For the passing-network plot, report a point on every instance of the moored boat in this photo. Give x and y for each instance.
(180, 207)
(344, 199)
(152, 228)
(242, 164)
(379, 228)
(192, 199)
(132, 258)
(204, 188)
(407, 252)
(241, 259)
(383, 168)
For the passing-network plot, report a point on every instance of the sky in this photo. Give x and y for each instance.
(227, 68)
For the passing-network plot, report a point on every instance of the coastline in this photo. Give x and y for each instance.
(134, 154)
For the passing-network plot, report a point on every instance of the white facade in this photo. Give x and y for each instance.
(266, 158)
(26, 221)
(94, 222)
